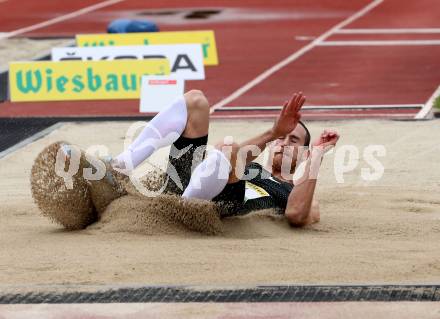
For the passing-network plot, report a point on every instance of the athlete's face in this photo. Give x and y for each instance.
(288, 146)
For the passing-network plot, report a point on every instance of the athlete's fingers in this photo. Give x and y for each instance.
(297, 101)
(335, 138)
(292, 103)
(331, 141)
(284, 108)
(301, 103)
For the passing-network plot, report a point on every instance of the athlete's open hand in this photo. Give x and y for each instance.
(289, 116)
(326, 140)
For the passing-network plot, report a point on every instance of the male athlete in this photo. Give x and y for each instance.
(228, 175)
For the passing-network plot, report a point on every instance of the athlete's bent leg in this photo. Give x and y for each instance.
(212, 180)
(189, 150)
(187, 116)
(197, 124)
(211, 176)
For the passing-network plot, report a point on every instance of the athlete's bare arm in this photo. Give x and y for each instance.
(301, 209)
(285, 123)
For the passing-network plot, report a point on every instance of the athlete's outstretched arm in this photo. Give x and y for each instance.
(286, 122)
(301, 210)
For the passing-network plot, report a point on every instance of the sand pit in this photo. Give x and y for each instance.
(370, 232)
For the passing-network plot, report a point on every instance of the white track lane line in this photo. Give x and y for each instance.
(389, 31)
(379, 43)
(330, 107)
(319, 116)
(60, 18)
(426, 110)
(263, 76)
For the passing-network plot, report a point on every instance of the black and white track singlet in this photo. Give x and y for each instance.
(264, 190)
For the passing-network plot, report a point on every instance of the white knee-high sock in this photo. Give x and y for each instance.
(164, 129)
(210, 177)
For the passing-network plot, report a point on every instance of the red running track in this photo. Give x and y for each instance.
(341, 75)
(255, 35)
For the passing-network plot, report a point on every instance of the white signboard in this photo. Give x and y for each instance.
(186, 60)
(158, 92)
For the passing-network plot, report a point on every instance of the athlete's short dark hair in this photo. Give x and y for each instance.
(307, 139)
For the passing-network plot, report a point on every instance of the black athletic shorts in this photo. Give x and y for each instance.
(185, 154)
